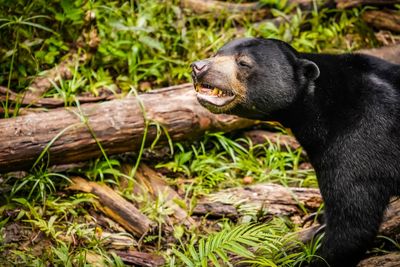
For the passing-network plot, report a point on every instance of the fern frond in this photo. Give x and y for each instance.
(214, 248)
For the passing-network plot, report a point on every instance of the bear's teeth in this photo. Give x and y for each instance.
(215, 91)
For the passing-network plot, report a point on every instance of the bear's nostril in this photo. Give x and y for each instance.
(199, 67)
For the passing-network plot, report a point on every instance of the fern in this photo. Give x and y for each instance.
(215, 247)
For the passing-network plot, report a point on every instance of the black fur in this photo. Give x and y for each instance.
(345, 112)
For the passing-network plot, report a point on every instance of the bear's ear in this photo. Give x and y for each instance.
(309, 69)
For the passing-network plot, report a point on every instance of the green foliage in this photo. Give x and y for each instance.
(267, 244)
(321, 31)
(218, 162)
(39, 184)
(33, 36)
(215, 247)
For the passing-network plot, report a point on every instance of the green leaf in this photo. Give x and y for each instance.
(183, 258)
(153, 43)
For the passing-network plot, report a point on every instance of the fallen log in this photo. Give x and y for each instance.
(387, 260)
(383, 19)
(272, 199)
(115, 206)
(278, 200)
(391, 223)
(353, 3)
(284, 141)
(390, 226)
(252, 11)
(140, 258)
(150, 182)
(389, 53)
(34, 101)
(75, 134)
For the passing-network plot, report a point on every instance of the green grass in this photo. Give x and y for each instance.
(147, 44)
(218, 162)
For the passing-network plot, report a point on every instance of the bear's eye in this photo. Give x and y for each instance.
(243, 63)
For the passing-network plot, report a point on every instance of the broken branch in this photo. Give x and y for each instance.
(115, 206)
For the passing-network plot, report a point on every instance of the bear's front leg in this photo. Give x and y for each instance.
(353, 213)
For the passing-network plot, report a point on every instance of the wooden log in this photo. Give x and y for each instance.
(117, 241)
(383, 19)
(118, 125)
(281, 201)
(353, 3)
(387, 260)
(390, 226)
(252, 11)
(271, 198)
(140, 258)
(151, 182)
(34, 101)
(115, 206)
(391, 223)
(261, 136)
(389, 53)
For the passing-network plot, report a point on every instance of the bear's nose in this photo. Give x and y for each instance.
(199, 67)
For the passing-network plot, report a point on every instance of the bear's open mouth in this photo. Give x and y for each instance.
(213, 95)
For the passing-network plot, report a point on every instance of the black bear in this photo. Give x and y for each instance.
(343, 109)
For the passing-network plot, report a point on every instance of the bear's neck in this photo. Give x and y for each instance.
(336, 101)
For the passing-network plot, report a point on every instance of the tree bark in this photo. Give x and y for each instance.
(36, 101)
(251, 10)
(383, 19)
(354, 3)
(388, 260)
(390, 226)
(282, 140)
(389, 53)
(140, 258)
(391, 222)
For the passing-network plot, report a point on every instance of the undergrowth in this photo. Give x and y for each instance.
(147, 44)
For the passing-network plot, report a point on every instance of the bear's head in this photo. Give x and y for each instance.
(252, 77)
